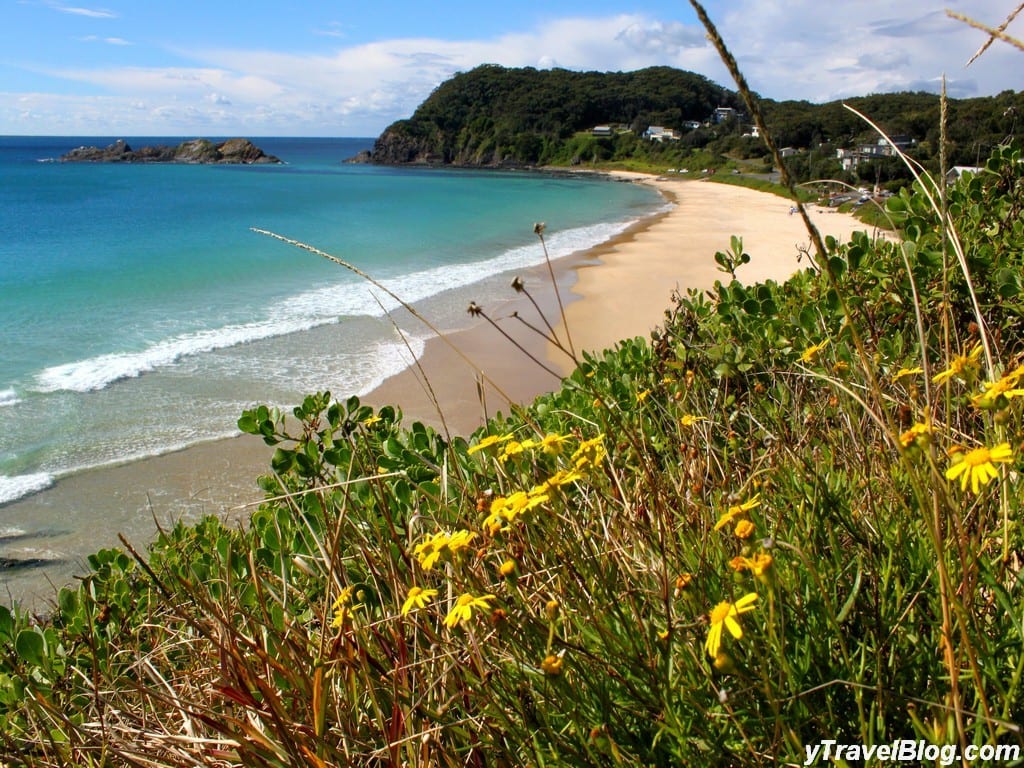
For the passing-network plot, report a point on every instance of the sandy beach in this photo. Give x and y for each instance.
(617, 290)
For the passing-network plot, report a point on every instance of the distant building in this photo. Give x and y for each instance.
(660, 133)
(722, 114)
(692, 124)
(601, 130)
(957, 171)
(789, 151)
(851, 158)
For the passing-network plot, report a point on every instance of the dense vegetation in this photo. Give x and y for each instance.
(498, 116)
(791, 515)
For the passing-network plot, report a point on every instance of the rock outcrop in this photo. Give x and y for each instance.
(194, 152)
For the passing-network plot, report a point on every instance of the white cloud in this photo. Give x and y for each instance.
(92, 13)
(797, 49)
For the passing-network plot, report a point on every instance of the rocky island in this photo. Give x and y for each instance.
(195, 152)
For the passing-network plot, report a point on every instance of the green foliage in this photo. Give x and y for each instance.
(545, 592)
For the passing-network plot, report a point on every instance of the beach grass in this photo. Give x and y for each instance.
(788, 516)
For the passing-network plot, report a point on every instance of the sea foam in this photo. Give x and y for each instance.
(314, 308)
(19, 486)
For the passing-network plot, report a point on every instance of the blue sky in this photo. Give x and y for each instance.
(319, 68)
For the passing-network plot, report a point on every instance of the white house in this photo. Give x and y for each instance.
(660, 133)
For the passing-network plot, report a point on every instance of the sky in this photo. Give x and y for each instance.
(320, 68)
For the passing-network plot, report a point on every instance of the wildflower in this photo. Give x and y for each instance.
(811, 353)
(996, 393)
(460, 540)
(903, 372)
(429, 551)
(417, 598)
(506, 510)
(512, 448)
(689, 420)
(916, 433)
(552, 665)
(551, 609)
(641, 396)
(487, 442)
(590, 452)
(463, 610)
(723, 663)
(342, 609)
(744, 529)
(683, 581)
(552, 443)
(738, 510)
(507, 568)
(560, 478)
(979, 466)
(724, 616)
(369, 421)
(757, 565)
(959, 365)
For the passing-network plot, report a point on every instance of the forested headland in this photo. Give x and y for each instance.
(501, 117)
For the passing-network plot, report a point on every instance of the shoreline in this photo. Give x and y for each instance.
(219, 476)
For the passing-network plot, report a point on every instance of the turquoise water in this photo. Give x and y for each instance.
(140, 314)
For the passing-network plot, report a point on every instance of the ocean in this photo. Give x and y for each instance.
(139, 313)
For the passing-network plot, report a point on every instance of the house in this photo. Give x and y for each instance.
(851, 158)
(721, 114)
(957, 171)
(789, 151)
(660, 133)
(601, 130)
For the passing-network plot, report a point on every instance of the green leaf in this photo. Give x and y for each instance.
(30, 647)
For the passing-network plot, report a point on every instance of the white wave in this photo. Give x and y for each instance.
(314, 308)
(8, 397)
(19, 486)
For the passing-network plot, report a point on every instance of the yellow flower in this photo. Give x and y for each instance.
(552, 665)
(811, 353)
(958, 365)
(744, 529)
(590, 452)
(417, 598)
(724, 616)
(902, 372)
(998, 392)
(369, 421)
(488, 441)
(512, 448)
(979, 466)
(552, 443)
(463, 609)
(342, 609)
(912, 435)
(429, 551)
(738, 510)
(507, 568)
(560, 478)
(507, 509)
(460, 540)
(689, 420)
(757, 565)
(641, 396)
(683, 581)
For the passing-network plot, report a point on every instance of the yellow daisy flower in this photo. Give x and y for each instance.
(724, 617)
(738, 510)
(978, 467)
(689, 420)
(417, 598)
(488, 441)
(811, 353)
(912, 435)
(993, 391)
(463, 609)
(959, 365)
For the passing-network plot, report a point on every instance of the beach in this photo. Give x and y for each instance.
(619, 289)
